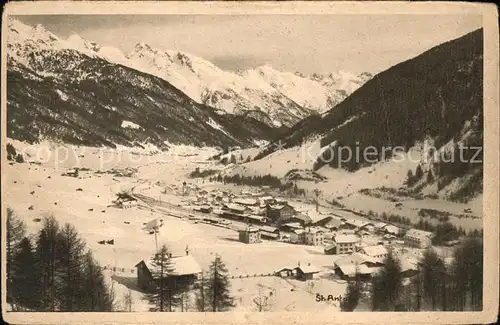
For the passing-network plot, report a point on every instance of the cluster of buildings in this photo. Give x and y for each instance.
(361, 244)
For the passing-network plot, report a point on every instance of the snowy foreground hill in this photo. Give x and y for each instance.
(273, 97)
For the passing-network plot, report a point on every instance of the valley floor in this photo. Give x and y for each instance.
(86, 202)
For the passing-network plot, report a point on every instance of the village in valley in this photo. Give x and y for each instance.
(158, 181)
(286, 249)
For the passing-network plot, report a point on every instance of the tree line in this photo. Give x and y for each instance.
(256, 180)
(197, 173)
(437, 285)
(210, 292)
(53, 270)
(444, 230)
(12, 154)
(260, 180)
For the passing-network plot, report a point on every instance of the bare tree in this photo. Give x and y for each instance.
(263, 302)
(128, 300)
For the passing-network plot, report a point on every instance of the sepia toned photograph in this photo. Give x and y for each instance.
(259, 162)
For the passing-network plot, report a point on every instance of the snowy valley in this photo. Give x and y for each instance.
(245, 166)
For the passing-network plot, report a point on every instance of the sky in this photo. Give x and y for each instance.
(304, 43)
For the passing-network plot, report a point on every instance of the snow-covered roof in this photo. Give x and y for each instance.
(365, 269)
(245, 201)
(302, 217)
(334, 223)
(344, 239)
(235, 207)
(308, 269)
(255, 217)
(293, 225)
(392, 229)
(417, 233)
(278, 206)
(358, 223)
(375, 250)
(184, 265)
(181, 265)
(249, 229)
(314, 230)
(379, 225)
(269, 234)
(348, 269)
(355, 259)
(268, 228)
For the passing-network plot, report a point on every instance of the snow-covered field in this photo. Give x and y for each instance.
(90, 211)
(344, 186)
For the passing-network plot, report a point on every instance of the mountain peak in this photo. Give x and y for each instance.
(78, 43)
(140, 47)
(75, 38)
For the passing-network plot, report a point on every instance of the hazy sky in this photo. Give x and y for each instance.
(305, 43)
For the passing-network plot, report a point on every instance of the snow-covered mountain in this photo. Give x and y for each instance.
(227, 91)
(271, 96)
(70, 90)
(317, 92)
(284, 98)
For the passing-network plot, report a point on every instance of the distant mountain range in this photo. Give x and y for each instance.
(274, 97)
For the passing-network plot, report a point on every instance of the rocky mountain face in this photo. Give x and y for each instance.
(68, 90)
(436, 98)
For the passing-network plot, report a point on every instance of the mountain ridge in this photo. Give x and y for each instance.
(229, 91)
(58, 92)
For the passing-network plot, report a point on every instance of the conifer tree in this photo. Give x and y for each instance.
(352, 295)
(419, 173)
(467, 274)
(217, 294)
(409, 178)
(433, 271)
(46, 256)
(25, 279)
(430, 177)
(165, 294)
(232, 159)
(70, 260)
(97, 295)
(387, 285)
(16, 230)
